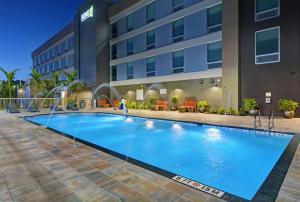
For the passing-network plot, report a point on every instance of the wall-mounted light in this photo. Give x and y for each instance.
(218, 80)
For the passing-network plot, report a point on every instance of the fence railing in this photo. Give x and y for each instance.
(34, 104)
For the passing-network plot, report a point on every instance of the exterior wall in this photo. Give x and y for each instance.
(282, 79)
(182, 89)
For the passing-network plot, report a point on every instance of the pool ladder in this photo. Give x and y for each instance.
(255, 120)
(271, 124)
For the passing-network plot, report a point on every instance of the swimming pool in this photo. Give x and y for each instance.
(236, 161)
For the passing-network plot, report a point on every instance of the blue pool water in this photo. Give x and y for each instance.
(236, 161)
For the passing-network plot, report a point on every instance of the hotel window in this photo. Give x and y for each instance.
(129, 71)
(114, 30)
(129, 23)
(65, 44)
(46, 56)
(71, 42)
(150, 39)
(214, 18)
(150, 12)
(267, 46)
(56, 65)
(150, 67)
(177, 5)
(71, 60)
(266, 9)
(178, 30)
(130, 47)
(51, 68)
(41, 58)
(214, 55)
(114, 73)
(178, 61)
(60, 48)
(63, 63)
(114, 52)
(50, 53)
(55, 51)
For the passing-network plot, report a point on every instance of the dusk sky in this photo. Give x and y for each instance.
(25, 25)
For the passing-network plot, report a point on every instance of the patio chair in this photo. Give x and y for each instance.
(161, 104)
(12, 108)
(103, 103)
(56, 108)
(33, 109)
(72, 106)
(188, 106)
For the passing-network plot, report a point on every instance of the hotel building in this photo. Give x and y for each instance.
(213, 50)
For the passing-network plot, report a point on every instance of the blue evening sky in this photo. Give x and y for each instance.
(25, 25)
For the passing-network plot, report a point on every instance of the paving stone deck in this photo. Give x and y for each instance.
(39, 165)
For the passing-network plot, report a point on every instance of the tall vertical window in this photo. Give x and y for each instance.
(71, 60)
(51, 53)
(65, 45)
(114, 73)
(56, 64)
(177, 5)
(266, 9)
(214, 18)
(150, 12)
(114, 30)
(129, 71)
(178, 30)
(267, 46)
(55, 51)
(178, 61)
(71, 42)
(129, 22)
(214, 55)
(63, 62)
(150, 67)
(150, 39)
(114, 52)
(130, 46)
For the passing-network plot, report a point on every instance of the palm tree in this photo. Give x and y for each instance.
(55, 78)
(71, 77)
(36, 80)
(10, 76)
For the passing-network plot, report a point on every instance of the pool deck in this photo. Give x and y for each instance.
(38, 165)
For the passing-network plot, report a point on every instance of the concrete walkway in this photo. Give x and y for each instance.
(39, 165)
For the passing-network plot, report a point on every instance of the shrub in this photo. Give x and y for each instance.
(249, 104)
(242, 112)
(152, 100)
(231, 111)
(175, 100)
(212, 111)
(131, 105)
(202, 104)
(287, 105)
(221, 110)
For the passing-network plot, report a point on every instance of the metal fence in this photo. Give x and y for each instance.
(40, 104)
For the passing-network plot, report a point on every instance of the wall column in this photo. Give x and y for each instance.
(230, 51)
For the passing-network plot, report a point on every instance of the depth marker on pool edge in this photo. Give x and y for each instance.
(199, 186)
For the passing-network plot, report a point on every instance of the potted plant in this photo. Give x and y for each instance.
(288, 107)
(174, 102)
(202, 106)
(250, 106)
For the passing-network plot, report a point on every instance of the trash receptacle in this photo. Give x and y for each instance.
(81, 104)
